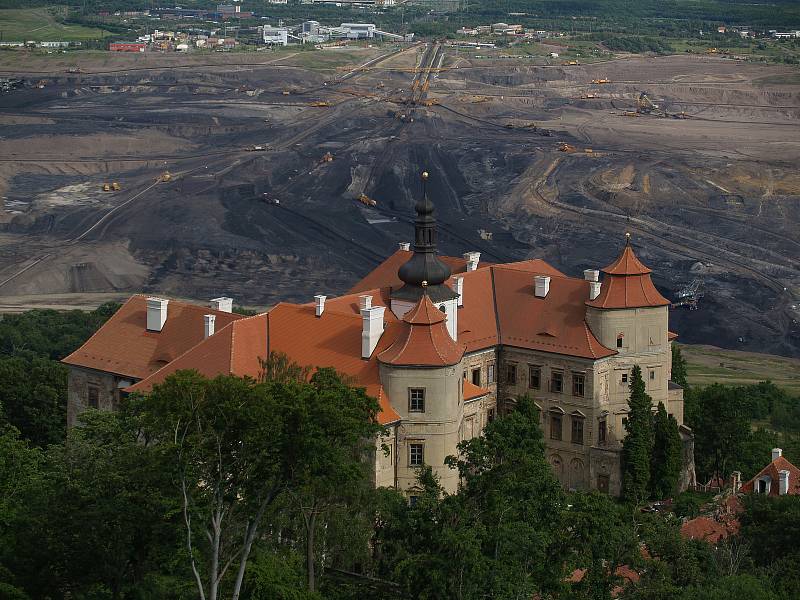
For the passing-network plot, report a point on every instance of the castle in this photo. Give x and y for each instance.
(445, 345)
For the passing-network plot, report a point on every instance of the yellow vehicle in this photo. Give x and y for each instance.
(600, 81)
(367, 201)
(115, 187)
(570, 63)
(165, 177)
(564, 147)
(326, 158)
(320, 104)
(106, 187)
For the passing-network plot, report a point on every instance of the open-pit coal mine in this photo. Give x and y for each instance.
(276, 176)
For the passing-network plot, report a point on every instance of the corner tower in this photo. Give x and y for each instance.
(630, 316)
(421, 372)
(425, 267)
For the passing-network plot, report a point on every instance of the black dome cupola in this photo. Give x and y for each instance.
(424, 265)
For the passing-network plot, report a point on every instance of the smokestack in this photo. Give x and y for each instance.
(541, 286)
(594, 289)
(372, 328)
(156, 313)
(319, 301)
(776, 453)
(472, 258)
(209, 322)
(591, 275)
(364, 302)
(222, 304)
(404, 246)
(783, 482)
(459, 289)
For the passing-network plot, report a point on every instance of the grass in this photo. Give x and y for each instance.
(708, 364)
(42, 25)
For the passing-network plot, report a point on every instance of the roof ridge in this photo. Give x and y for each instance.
(97, 333)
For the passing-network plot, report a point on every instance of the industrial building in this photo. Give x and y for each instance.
(276, 36)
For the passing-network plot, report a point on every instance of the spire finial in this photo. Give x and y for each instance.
(627, 238)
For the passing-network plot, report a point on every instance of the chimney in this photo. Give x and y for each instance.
(319, 301)
(209, 321)
(594, 289)
(736, 481)
(783, 482)
(156, 313)
(541, 286)
(404, 246)
(776, 453)
(372, 328)
(222, 304)
(591, 275)
(459, 289)
(472, 258)
(364, 302)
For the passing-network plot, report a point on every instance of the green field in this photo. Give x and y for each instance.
(42, 25)
(707, 365)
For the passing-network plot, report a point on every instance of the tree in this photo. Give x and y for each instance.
(679, 371)
(226, 437)
(638, 443)
(33, 392)
(96, 515)
(334, 428)
(718, 415)
(666, 459)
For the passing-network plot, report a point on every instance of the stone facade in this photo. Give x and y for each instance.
(87, 388)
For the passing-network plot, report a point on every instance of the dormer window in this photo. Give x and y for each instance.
(763, 485)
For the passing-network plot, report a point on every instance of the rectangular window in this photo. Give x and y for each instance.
(602, 483)
(490, 415)
(412, 501)
(601, 431)
(624, 422)
(390, 456)
(577, 430)
(557, 382)
(619, 342)
(578, 381)
(416, 399)
(490, 373)
(652, 375)
(534, 377)
(476, 376)
(511, 374)
(93, 396)
(624, 378)
(555, 426)
(416, 455)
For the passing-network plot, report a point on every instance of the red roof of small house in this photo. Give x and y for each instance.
(709, 529)
(423, 340)
(627, 284)
(772, 470)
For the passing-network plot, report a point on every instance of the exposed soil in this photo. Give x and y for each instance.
(714, 196)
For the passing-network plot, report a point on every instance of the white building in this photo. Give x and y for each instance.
(358, 31)
(278, 36)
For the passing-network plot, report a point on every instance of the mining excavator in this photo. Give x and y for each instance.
(111, 187)
(320, 104)
(366, 200)
(326, 158)
(565, 147)
(600, 81)
(165, 177)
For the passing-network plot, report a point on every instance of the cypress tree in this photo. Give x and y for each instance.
(665, 464)
(678, 367)
(638, 443)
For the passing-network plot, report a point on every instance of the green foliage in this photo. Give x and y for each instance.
(688, 504)
(666, 459)
(638, 443)
(679, 369)
(276, 575)
(50, 333)
(33, 393)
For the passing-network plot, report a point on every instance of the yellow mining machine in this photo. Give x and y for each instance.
(645, 106)
(570, 63)
(565, 147)
(320, 104)
(165, 177)
(366, 200)
(326, 158)
(600, 81)
(112, 187)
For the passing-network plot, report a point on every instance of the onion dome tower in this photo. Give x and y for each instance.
(424, 265)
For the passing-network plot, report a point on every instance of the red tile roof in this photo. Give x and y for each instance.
(472, 391)
(423, 340)
(709, 529)
(385, 274)
(627, 284)
(772, 470)
(124, 346)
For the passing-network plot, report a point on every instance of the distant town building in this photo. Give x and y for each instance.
(275, 36)
(127, 47)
